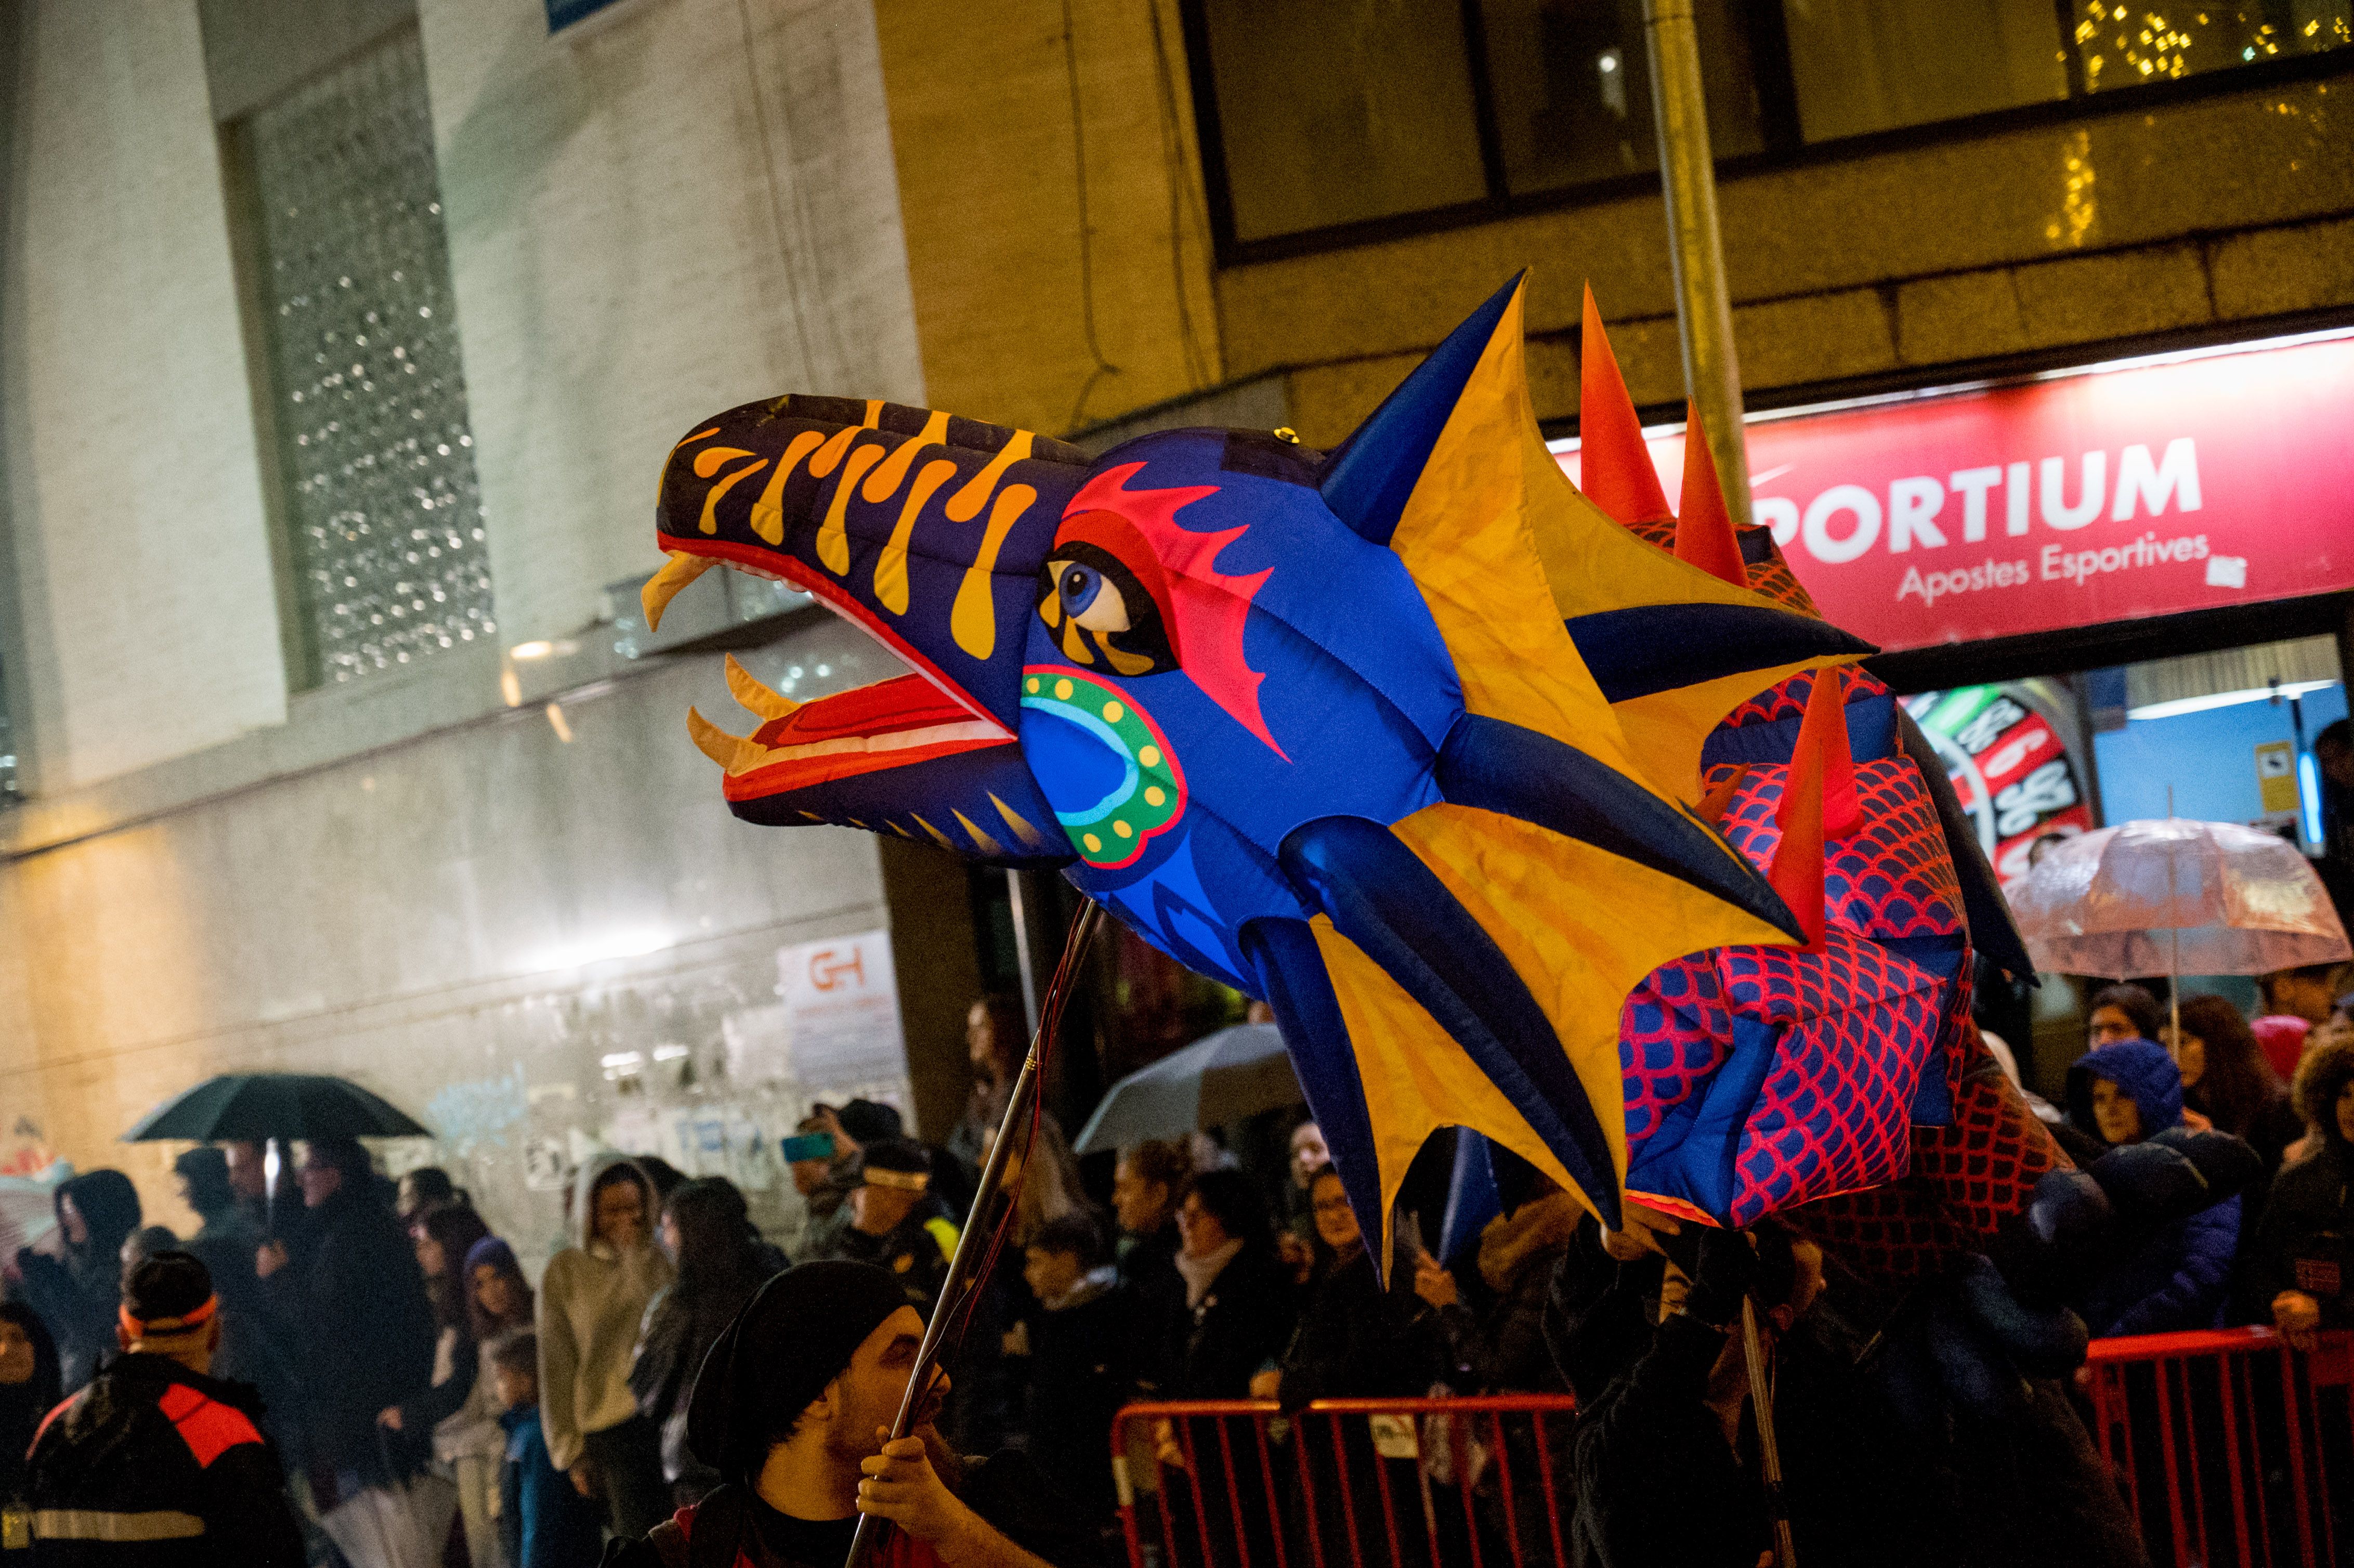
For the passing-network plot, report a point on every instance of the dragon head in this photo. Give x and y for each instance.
(1404, 737)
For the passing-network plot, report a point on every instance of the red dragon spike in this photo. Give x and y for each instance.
(1818, 802)
(1614, 465)
(1704, 536)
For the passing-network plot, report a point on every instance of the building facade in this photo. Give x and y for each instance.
(336, 746)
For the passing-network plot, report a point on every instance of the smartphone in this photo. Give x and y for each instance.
(808, 1146)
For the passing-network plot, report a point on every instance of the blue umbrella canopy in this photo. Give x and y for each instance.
(1221, 1077)
(239, 1106)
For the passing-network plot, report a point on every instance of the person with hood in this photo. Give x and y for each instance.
(593, 1299)
(2179, 1275)
(499, 1299)
(29, 1390)
(2301, 1265)
(157, 1461)
(793, 1409)
(1518, 1252)
(707, 1231)
(896, 1220)
(77, 1296)
(360, 1327)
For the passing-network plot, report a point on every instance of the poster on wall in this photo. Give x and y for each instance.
(2011, 770)
(841, 1005)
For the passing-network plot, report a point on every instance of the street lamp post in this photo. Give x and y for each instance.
(1703, 304)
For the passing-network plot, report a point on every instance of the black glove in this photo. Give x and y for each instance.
(1724, 1275)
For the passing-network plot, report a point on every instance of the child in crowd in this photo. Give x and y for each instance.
(1080, 1345)
(2176, 1277)
(544, 1521)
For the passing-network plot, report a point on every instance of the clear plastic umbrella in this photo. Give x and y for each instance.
(2175, 896)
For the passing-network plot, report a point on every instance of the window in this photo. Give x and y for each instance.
(1862, 66)
(1342, 111)
(1321, 115)
(1573, 90)
(2125, 45)
(383, 521)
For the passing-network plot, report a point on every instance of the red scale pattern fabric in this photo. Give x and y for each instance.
(1891, 877)
(1833, 1114)
(1787, 699)
(1967, 1178)
(1674, 1033)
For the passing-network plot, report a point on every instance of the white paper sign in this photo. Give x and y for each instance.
(842, 1011)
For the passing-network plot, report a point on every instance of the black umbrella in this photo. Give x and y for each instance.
(250, 1106)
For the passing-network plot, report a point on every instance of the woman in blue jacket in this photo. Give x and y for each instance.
(2180, 1276)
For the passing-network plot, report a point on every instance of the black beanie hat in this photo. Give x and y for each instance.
(795, 1336)
(168, 1286)
(867, 1121)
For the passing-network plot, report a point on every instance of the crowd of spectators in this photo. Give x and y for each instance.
(398, 1347)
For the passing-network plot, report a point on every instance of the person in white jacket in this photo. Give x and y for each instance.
(591, 1300)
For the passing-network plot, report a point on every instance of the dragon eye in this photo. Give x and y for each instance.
(1099, 614)
(1091, 598)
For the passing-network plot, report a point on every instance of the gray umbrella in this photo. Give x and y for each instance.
(1219, 1078)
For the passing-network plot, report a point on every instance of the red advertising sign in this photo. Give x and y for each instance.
(2192, 484)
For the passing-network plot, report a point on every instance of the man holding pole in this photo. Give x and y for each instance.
(793, 1406)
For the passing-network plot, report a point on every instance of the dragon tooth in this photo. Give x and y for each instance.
(665, 584)
(733, 752)
(756, 697)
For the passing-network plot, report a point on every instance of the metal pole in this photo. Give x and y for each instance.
(1769, 1450)
(972, 1244)
(1695, 248)
(1021, 960)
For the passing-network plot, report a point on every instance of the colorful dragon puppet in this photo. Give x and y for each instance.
(1843, 1085)
(1406, 738)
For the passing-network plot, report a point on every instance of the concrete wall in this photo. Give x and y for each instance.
(651, 218)
(467, 924)
(680, 205)
(126, 435)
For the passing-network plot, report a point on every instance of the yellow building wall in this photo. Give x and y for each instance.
(1057, 240)
(2227, 209)
(2123, 222)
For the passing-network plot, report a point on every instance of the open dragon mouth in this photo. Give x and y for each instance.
(925, 531)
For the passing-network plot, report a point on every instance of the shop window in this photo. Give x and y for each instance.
(1860, 66)
(1341, 111)
(1321, 117)
(1571, 89)
(2227, 738)
(383, 529)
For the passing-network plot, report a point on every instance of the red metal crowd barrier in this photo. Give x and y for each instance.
(2232, 1448)
(1387, 1483)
